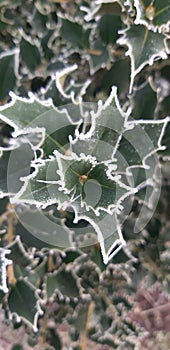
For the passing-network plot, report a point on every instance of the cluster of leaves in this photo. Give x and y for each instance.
(80, 164)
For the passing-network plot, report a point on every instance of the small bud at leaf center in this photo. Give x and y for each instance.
(83, 179)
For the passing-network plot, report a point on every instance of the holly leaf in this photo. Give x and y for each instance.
(64, 283)
(30, 54)
(24, 303)
(104, 7)
(144, 102)
(108, 232)
(18, 254)
(41, 188)
(9, 62)
(138, 38)
(104, 130)
(92, 185)
(99, 55)
(139, 143)
(108, 28)
(74, 33)
(72, 90)
(154, 15)
(46, 225)
(55, 125)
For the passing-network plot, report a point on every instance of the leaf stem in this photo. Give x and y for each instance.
(83, 343)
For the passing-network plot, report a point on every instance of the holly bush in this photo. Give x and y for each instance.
(84, 163)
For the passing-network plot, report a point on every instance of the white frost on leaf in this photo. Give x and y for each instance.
(4, 262)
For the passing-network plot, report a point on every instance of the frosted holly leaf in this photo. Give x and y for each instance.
(128, 146)
(139, 142)
(4, 262)
(153, 14)
(106, 126)
(41, 188)
(90, 185)
(82, 184)
(24, 303)
(46, 225)
(144, 47)
(79, 176)
(114, 138)
(31, 115)
(73, 90)
(72, 180)
(108, 230)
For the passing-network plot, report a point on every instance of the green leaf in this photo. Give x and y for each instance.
(41, 188)
(138, 143)
(8, 72)
(106, 126)
(112, 77)
(138, 38)
(109, 236)
(154, 15)
(99, 55)
(18, 254)
(144, 101)
(45, 226)
(64, 282)
(3, 174)
(39, 23)
(89, 186)
(75, 34)
(95, 182)
(71, 169)
(70, 88)
(4, 262)
(54, 125)
(24, 303)
(37, 274)
(15, 164)
(103, 8)
(12, 113)
(30, 54)
(52, 92)
(108, 28)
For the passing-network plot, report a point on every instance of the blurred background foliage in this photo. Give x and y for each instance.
(126, 304)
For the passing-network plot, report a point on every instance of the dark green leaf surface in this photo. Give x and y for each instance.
(63, 282)
(156, 15)
(8, 72)
(24, 302)
(30, 55)
(144, 47)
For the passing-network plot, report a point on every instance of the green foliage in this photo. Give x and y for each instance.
(84, 172)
